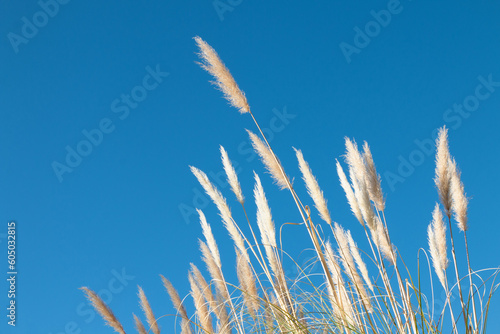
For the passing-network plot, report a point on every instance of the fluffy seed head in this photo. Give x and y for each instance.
(436, 234)
(272, 165)
(213, 193)
(139, 325)
(340, 301)
(359, 261)
(443, 176)
(211, 62)
(214, 270)
(349, 264)
(313, 188)
(358, 176)
(373, 179)
(148, 312)
(264, 217)
(207, 233)
(103, 310)
(221, 204)
(459, 199)
(355, 160)
(205, 288)
(439, 228)
(232, 178)
(382, 241)
(363, 199)
(247, 283)
(200, 305)
(174, 296)
(349, 193)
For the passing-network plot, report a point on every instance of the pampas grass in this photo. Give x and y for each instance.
(273, 165)
(148, 312)
(342, 288)
(232, 178)
(313, 188)
(223, 79)
(103, 310)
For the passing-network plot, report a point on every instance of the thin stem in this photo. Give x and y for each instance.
(471, 291)
(458, 277)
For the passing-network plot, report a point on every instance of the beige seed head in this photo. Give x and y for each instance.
(355, 160)
(433, 249)
(340, 301)
(221, 204)
(223, 78)
(313, 188)
(209, 237)
(139, 325)
(148, 312)
(436, 234)
(382, 241)
(349, 264)
(200, 305)
(224, 324)
(214, 270)
(358, 176)
(363, 200)
(247, 283)
(268, 237)
(176, 301)
(359, 261)
(232, 177)
(459, 199)
(351, 198)
(213, 193)
(373, 179)
(439, 228)
(264, 217)
(103, 310)
(205, 288)
(443, 176)
(272, 165)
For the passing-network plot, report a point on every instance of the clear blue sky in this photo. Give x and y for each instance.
(116, 212)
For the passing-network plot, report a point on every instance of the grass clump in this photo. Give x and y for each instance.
(334, 292)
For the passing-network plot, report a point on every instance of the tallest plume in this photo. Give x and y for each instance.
(211, 62)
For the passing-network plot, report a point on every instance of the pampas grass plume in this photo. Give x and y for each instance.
(459, 199)
(223, 78)
(373, 179)
(349, 193)
(209, 237)
(313, 188)
(221, 204)
(232, 178)
(443, 176)
(139, 325)
(271, 163)
(436, 233)
(176, 301)
(148, 312)
(103, 310)
(200, 305)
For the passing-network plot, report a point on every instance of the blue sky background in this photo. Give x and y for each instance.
(119, 210)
